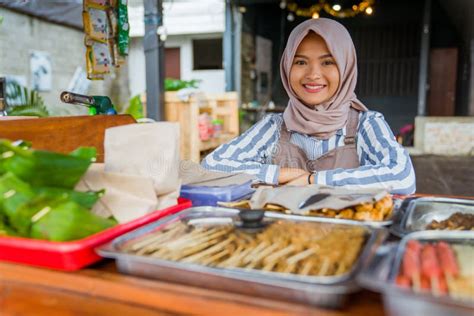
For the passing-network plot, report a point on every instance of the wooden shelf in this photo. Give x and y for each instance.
(222, 106)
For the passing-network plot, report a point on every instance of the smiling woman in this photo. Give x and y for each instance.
(326, 135)
(314, 76)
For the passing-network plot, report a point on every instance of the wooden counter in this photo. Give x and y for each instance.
(100, 290)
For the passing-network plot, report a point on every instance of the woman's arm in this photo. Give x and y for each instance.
(248, 152)
(383, 162)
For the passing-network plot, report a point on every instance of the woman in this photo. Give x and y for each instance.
(326, 135)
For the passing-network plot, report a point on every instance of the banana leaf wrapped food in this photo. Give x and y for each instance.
(45, 168)
(37, 199)
(57, 219)
(84, 199)
(46, 215)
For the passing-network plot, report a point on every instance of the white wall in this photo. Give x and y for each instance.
(211, 80)
(21, 34)
(183, 17)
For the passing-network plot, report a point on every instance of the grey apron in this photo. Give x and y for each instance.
(288, 155)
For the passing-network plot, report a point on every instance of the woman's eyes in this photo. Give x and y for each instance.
(328, 62)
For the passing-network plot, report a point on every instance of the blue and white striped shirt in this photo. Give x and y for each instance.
(383, 162)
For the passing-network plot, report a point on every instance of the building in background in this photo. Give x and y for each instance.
(193, 46)
(39, 28)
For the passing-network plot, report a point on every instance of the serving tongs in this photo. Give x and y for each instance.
(318, 197)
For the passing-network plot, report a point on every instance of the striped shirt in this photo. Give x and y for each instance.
(383, 162)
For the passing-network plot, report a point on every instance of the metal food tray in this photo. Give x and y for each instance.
(327, 291)
(387, 222)
(379, 275)
(417, 214)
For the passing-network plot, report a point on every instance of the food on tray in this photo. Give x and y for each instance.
(457, 221)
(438, 268)
(299, 248)
(37, 199)
(378, 211)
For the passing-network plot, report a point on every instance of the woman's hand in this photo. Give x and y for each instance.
(302, 180)
(289, 174)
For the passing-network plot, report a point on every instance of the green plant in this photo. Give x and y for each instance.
(23, 102)
(177, 84)
(135, 107)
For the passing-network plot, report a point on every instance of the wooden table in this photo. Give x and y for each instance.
(101, 290)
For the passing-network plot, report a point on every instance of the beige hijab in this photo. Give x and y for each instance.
(322, 120)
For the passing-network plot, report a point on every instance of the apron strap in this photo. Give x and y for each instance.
(284, 133)
(351, 127)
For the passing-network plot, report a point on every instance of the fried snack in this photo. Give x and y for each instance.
(304, 248)
(457, 221)
(377, 211)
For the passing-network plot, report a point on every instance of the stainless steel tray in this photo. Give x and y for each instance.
(328, 291)
(379, 275)
(418, 213)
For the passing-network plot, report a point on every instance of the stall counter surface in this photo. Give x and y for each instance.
(101, 290)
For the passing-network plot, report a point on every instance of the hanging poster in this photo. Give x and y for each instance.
(41, 76)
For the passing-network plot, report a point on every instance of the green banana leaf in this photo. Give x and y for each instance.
(22, 218)
(45, 168)
(6, 231)
(66, 221)
(13, 193)
(84, 199)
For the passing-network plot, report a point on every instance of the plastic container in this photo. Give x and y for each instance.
(74, 255)
(209, 196)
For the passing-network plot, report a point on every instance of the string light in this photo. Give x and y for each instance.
(334, 9)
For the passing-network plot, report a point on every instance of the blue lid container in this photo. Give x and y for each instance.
(209, 196)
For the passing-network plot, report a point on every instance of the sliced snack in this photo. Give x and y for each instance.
(438, 268)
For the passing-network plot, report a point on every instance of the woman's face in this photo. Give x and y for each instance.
(314, 76)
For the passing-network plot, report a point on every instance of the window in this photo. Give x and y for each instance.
(207, 54)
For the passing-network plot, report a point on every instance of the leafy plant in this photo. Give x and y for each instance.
(23, 102)
(177, 84)
(135, 107)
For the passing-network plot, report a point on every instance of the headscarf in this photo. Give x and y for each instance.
(322, 120)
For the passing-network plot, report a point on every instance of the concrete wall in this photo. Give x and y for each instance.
(446, 136)
(20, 34)
(212, 81)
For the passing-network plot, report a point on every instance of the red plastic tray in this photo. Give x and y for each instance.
(74, 255)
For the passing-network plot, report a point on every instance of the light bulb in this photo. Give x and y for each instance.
(162, 33)
(336, 7)
(369, 10)
(315, 15)
(282, 5)
(290, 17)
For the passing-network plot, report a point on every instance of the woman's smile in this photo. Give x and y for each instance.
(313, 87)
